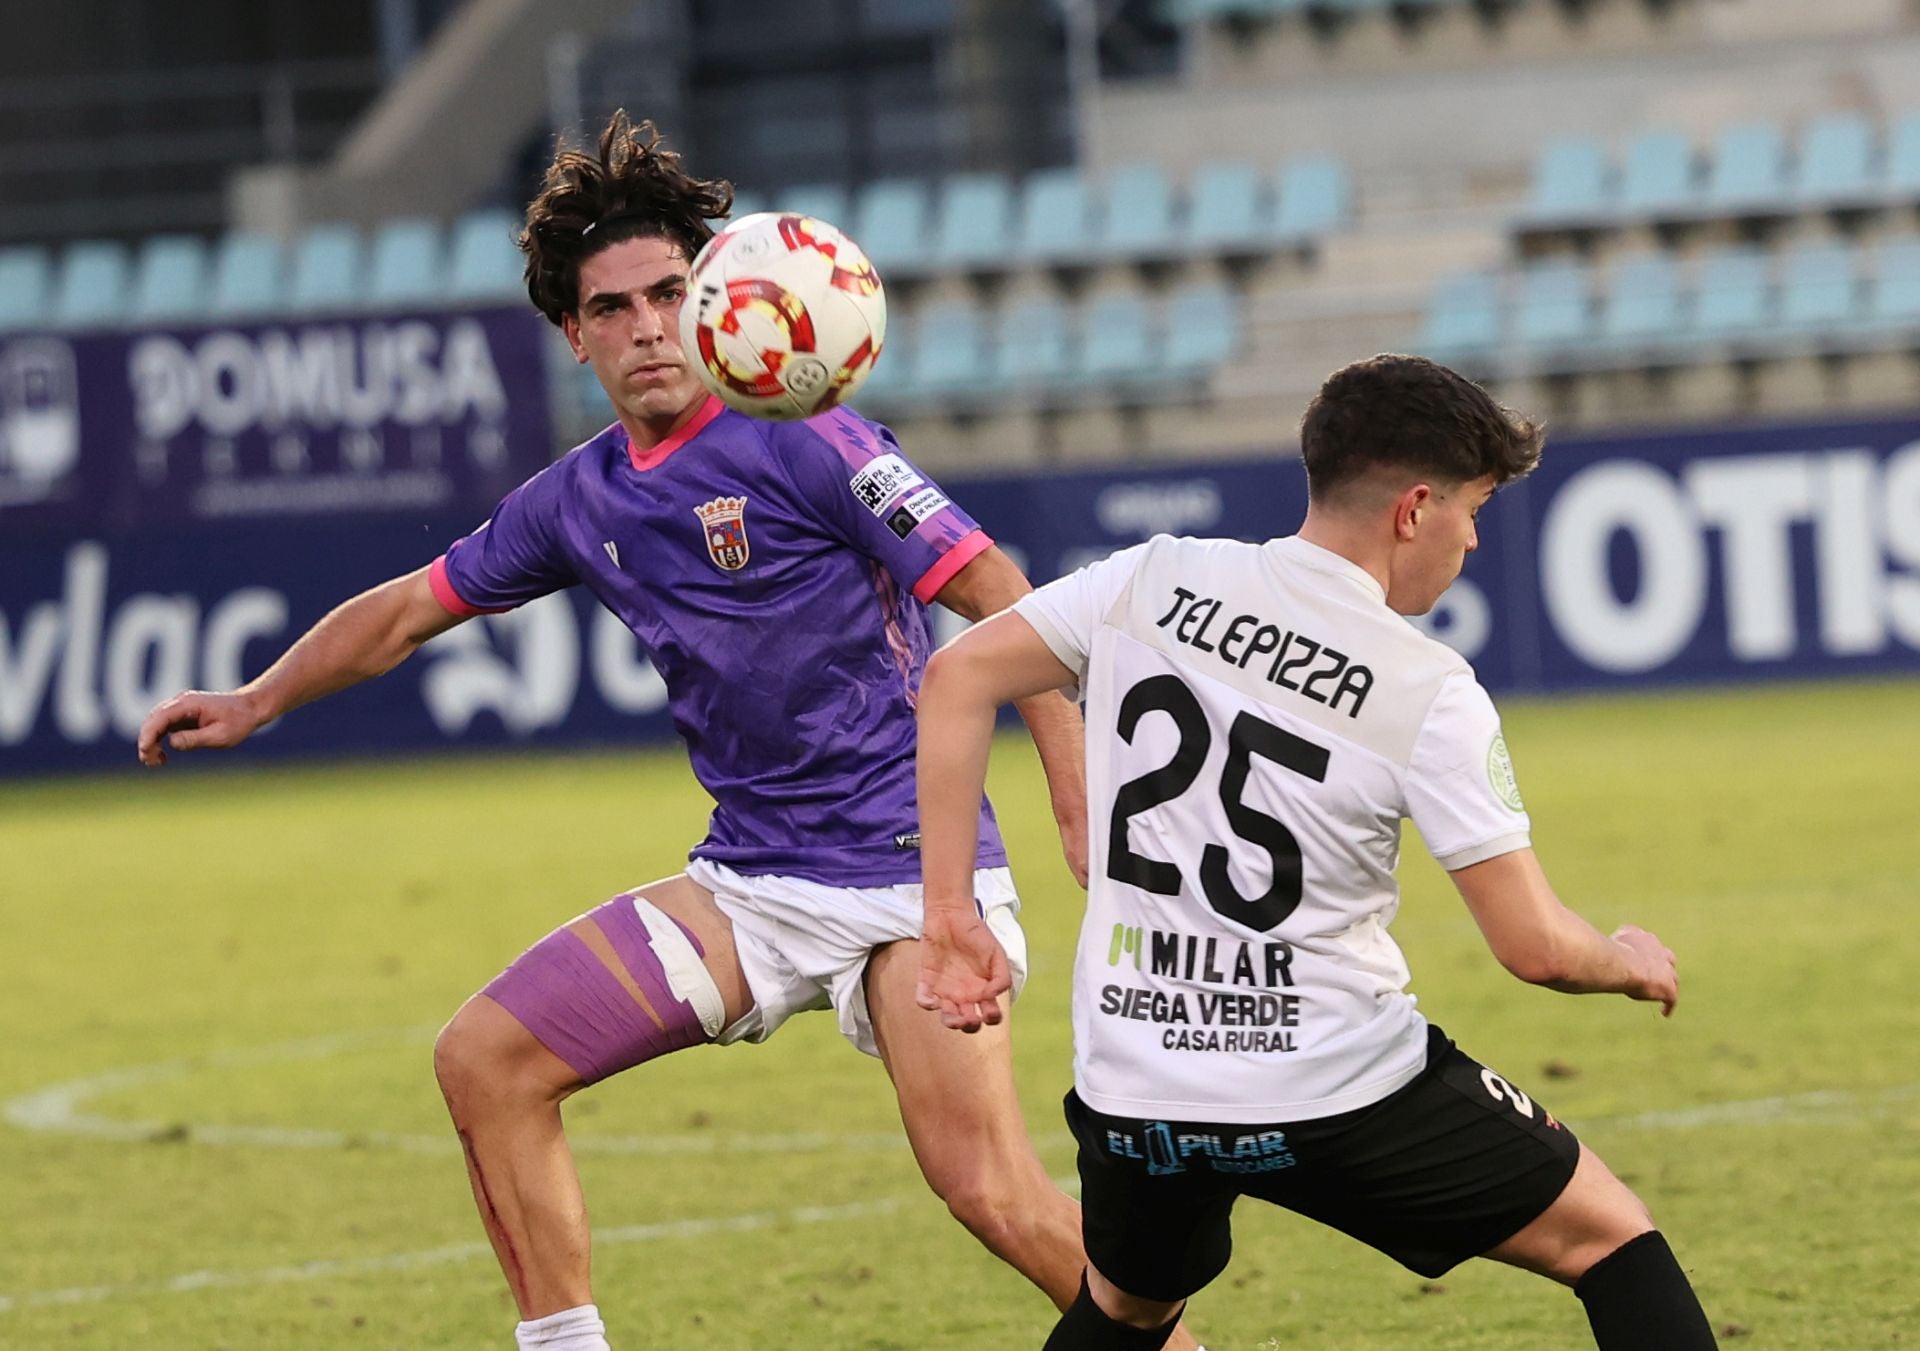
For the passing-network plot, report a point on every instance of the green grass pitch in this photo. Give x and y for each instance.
(218, 991)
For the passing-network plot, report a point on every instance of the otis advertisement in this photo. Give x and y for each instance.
(365, 415)
(1720, 555)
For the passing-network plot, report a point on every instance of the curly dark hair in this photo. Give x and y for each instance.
(1414, 414)
(633, 188)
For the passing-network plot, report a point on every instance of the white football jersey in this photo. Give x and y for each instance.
(1259, 724)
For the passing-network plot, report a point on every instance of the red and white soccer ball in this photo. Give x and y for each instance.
(784, 316)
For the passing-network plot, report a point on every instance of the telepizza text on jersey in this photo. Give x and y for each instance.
(1304, 665)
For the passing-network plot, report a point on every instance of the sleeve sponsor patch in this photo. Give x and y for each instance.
(906, 517)
(1500, 773)
(881, 480)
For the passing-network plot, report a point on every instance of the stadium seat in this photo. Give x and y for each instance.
(1555, 307)
(822, 201)
(1659, 175)
(1748, 170)
(1315, 197)
(1733, 296)
(1463, 318)
(26, 276)
(1837, 161)
(1031, 347)
(975, 222)
(1903, 158)
(93, 286)
(1643, 302)
(1203, 330)
(170, 278)
(249, 275)
(950, 354)
(408, 263)
(890, 222)
(327, 264)
(1139, 219)
(1893, 298)
(1819, 287)
(891, 380)
(1118, 343)
(1056, 217)
(1572, 181)
(1227, 210)
(484, 261)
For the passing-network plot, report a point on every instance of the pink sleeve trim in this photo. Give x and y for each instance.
(935, 579)
(449, 598)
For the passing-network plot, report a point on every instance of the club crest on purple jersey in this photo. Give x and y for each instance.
(725, 522)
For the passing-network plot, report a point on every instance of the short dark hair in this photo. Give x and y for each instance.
(633, 188)
(1411, 413)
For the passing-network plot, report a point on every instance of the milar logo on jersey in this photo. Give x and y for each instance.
(1500, 772)
(725, 522)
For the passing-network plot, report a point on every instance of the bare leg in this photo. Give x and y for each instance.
(1592, 1217)
(963, 1120)
(504, 1090)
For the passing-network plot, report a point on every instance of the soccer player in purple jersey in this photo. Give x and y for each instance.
(778, 576)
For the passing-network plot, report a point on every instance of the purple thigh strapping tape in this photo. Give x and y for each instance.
(594, 993)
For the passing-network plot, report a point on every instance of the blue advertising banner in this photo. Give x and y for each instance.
(403, 412)
(1720, 555)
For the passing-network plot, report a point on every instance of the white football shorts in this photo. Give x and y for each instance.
(804, 945)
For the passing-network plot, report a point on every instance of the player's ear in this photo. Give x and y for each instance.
(1409, 509)
(570, 325)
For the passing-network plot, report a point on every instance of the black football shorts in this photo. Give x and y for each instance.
(1445, 1168)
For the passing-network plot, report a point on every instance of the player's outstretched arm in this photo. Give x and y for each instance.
(367, 636)
(986, 586)
(962, 969)
(1542, 942)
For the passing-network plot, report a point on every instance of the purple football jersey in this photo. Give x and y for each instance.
(777, 575)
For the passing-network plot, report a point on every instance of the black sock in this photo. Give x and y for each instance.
(1638, 1299)
(1086, 1327)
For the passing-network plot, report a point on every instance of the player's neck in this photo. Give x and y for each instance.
(1359, 542)
(644, 433)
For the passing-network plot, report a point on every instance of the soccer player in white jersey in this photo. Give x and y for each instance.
(1260, 720)
(778, 576)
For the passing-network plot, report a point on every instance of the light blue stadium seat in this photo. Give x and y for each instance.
(822, 201)
(484, 261)
(249, 275)
(891, 379)
(1463, 317)
(1893, 298)
(1227, 209)
(976, 221)
(1572, 181)
(1203, 330)
(94, 287)
(1056, 218)
(1138, 219)
(409, 264)
(1315, 198)
(1903, 158)
(1032, 346)
(1734, 294)
(1658, 177)
(1555, 308)
(949, 350)
(1117, 340)
(890, 223)
(1643, 304)
(1837, 161)
(26, 279)
(170, 278)
(1819, 287)
(327, 266)
(1749, 169)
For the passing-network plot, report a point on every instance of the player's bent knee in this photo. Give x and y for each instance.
(993, 1213)
(618, 986)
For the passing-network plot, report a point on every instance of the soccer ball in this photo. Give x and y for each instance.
(785, 316)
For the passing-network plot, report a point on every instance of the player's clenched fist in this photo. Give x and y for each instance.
(963, 971)
(196, 720)
(1659, 977)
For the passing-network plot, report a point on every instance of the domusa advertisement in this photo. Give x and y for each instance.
(406, 412)
(1727, 555)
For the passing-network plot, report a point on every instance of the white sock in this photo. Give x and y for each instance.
(576, 1329)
